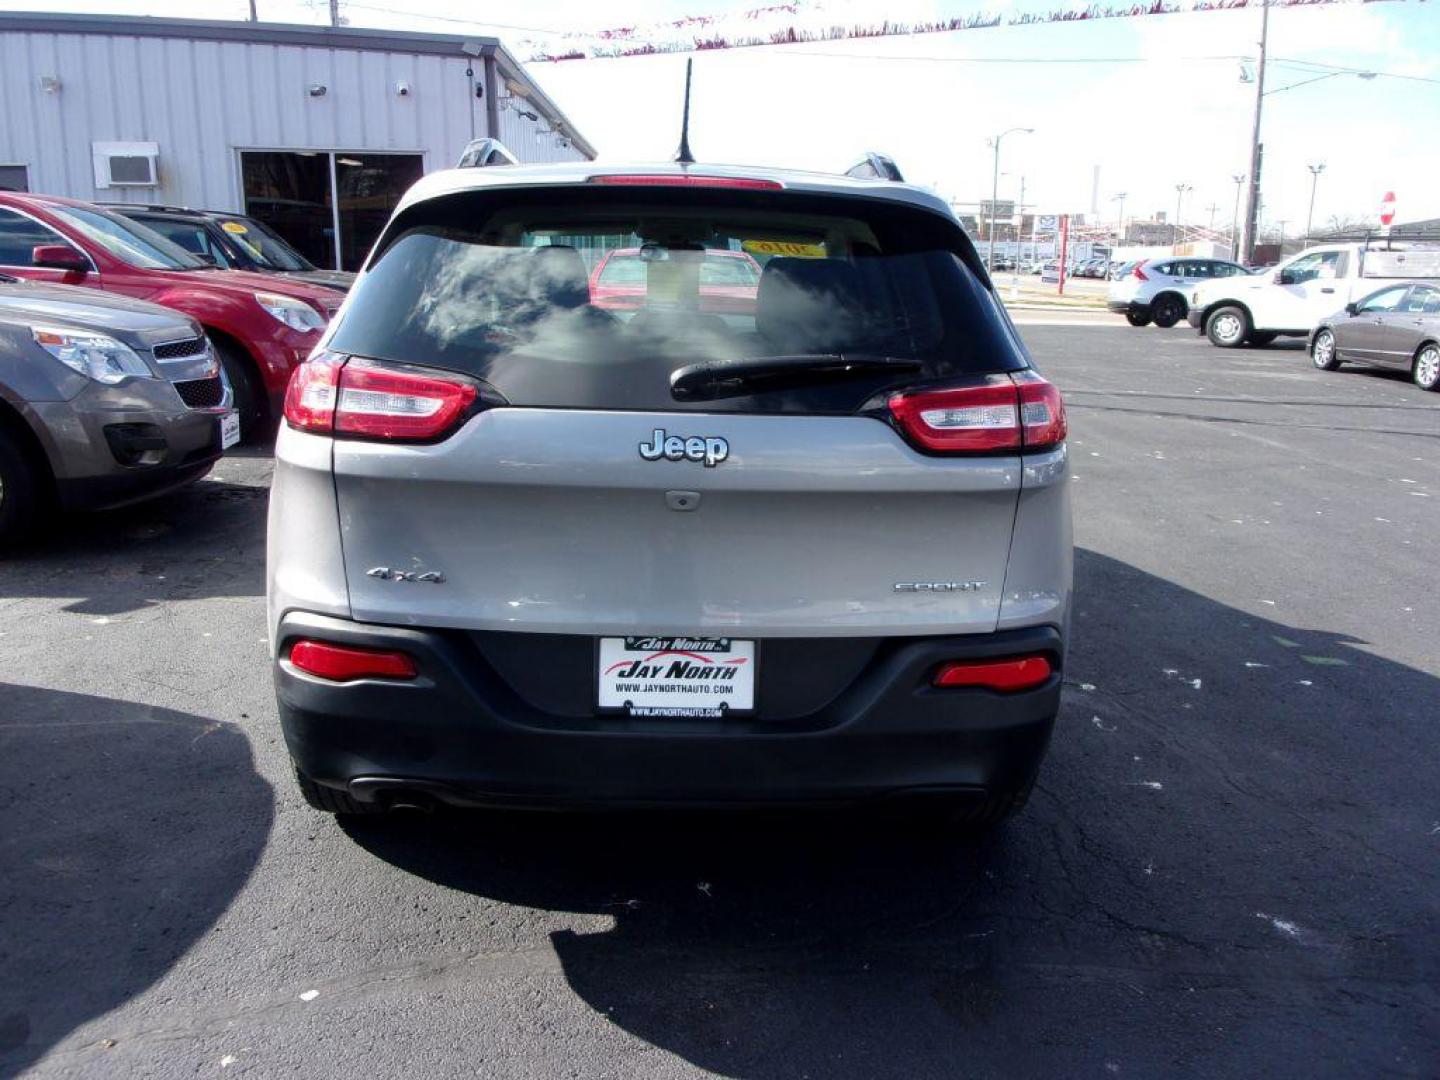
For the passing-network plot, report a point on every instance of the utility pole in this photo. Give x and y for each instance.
(1020, 226)
(1120, 225)
(253, 17)
(1239, 179)
(334, 12)
(1315, 171)
(1212, 208)
(1252, 202)
(1180, 190)
(1282, 223)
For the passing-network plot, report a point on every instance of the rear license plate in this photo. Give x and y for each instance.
(676, 676)
(229, 430)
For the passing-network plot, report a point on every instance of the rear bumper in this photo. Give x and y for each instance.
(462, 735)
(1127, 307)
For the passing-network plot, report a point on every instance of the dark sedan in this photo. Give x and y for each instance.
(1397, 327)
(233, 242)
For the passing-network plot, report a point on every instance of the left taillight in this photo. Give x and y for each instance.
(1004, 414)
(369, 400)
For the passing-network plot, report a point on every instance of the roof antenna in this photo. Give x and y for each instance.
(683, 155)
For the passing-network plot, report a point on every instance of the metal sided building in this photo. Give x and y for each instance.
(315, 130)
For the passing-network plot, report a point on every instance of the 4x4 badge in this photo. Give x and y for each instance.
(707, 448)
(385, 573)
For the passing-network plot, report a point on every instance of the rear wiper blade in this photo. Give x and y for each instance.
(728, 378)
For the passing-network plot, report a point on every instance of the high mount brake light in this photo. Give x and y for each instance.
(686, 180)
(1006, 676)
(1015, 412)
(333, 394)
(344, 663)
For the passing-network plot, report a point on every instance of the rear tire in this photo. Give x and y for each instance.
(1167, 310)
(1426, 371)
(333, 800)
(1323, 353)
(22, 492)
(249, 391)
(1137, 318)
(1228, 327)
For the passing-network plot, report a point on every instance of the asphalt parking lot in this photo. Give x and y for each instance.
(1229, 869)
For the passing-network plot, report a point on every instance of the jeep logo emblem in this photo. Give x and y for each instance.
(706, 448)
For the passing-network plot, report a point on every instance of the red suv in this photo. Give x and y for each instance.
(261, 325)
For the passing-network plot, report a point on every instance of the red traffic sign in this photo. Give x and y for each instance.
(1387, 208)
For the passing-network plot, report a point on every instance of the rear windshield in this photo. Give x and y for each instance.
(598, 298)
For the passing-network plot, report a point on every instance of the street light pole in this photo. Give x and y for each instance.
(1120, 229)
(1252, 200)
(1282, 223)
(995, 193)
(1239, 179)
(1315, 171)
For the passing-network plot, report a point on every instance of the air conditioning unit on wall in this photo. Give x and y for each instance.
(125, 164)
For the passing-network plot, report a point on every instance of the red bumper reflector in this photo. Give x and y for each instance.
(345, 662)
(1019, 673)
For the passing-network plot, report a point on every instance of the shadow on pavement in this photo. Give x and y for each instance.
(127, 831)
(1226, 870)
(205, 540)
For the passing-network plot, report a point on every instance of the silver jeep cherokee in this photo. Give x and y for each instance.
(787, 528)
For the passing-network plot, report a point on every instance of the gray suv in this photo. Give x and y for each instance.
(103, 400)
(809, 545)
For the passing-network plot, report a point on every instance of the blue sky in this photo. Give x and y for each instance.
(1153, 101)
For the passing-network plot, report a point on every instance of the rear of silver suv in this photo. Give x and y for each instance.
(810, 544)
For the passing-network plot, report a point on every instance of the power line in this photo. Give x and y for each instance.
(1342, 70)
(455, 19)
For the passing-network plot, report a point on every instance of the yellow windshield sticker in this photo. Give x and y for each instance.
(234, 227)
(784, 247)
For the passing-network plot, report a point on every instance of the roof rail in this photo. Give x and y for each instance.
(875, 166)
(480, 153)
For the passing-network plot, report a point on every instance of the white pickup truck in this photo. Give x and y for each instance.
(1291, 299)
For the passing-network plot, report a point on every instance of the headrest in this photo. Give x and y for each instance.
(559, 276)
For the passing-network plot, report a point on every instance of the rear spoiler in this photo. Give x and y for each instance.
(875, 166)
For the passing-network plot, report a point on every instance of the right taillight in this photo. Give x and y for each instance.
(1021, 411)
(1042, 411)
(365, 399)
(1139, 274)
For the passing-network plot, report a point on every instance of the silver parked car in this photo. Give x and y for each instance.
(1158, 290)
(104, 400)
(1397, 327)
(527, 551)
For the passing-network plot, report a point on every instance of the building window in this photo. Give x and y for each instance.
(330, 205)
(14, 178)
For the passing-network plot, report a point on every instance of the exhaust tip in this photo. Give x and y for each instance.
(410, 803)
